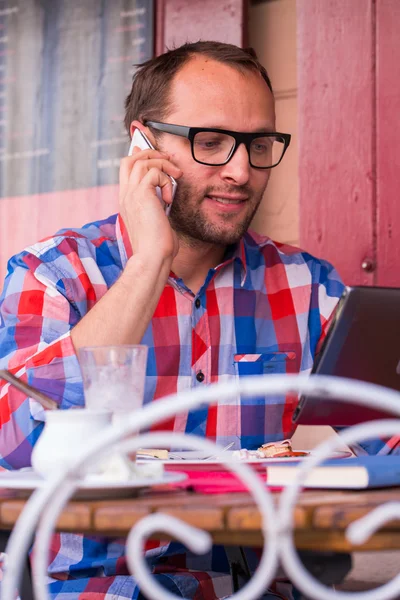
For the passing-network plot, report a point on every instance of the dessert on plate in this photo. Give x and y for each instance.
(281, 449)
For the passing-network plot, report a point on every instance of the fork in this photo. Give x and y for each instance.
(177, 456)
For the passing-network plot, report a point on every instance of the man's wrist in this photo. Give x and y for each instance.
(139, 265)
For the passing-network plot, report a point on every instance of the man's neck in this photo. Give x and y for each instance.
(194, 260)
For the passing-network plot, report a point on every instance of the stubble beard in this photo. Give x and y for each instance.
(191, 225)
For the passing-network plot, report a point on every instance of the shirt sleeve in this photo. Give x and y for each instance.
(36, 318)
(327, 288)
(330, 289)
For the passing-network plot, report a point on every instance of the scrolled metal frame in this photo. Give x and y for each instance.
(45, 504)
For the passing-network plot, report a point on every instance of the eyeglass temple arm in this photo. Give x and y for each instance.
(169, 128)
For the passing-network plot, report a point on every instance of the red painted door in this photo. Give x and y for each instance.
(388, 142)
(349, 136)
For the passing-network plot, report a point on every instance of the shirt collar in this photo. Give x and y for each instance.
(235, 252)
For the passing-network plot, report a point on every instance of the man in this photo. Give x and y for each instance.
(210, 299)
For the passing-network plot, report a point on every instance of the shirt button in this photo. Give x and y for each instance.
(200, 376)
(197, 303)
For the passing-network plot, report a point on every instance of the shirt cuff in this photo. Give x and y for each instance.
(55, 371)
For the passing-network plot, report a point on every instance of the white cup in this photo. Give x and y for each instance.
(65, 435)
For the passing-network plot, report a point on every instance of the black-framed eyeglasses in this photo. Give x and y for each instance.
(215, 147)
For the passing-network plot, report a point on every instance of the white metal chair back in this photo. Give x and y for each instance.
(42, 509)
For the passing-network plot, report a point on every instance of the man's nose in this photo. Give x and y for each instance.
(237, 170)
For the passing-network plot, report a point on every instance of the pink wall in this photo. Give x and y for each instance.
(26, 219)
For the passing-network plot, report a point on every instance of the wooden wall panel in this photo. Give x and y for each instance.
(336, 133)
(180, 21)
(272, 33)
(388, 142)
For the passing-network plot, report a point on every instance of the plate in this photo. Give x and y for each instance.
(26, 481)
(194, 458)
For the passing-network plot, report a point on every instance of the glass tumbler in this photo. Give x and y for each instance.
(113, 377)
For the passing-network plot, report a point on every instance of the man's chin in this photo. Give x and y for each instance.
(225, 237)
(202, 227)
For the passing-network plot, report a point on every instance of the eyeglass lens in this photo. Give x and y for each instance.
(215, 148)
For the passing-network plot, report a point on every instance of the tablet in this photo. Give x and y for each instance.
(363, 342)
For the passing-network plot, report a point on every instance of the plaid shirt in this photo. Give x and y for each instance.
(265, 309)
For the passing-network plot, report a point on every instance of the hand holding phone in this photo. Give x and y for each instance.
(140, 140)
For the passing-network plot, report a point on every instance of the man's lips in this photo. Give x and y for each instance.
(228, 200)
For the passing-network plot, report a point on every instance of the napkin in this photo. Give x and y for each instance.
(215, 482)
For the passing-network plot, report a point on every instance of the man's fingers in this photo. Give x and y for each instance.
(141, 167)
(140, 177)
(128, 162)
(140, 154)
(156, 178)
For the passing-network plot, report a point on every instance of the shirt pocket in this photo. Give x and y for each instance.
(265, 363)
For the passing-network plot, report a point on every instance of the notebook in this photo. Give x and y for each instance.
(349, 473)
(363, 342)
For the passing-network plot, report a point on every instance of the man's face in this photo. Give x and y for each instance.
(216, 204)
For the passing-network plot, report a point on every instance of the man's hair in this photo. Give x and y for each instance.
(149, 99)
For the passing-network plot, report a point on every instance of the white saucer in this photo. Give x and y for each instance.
(26, 481)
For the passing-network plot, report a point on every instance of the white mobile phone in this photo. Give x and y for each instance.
(140, 140)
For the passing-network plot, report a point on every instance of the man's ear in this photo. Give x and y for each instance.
(146, 130)
(135, 125)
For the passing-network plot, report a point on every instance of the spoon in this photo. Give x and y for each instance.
(27, 389)
(179, 456)
(224, 449)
